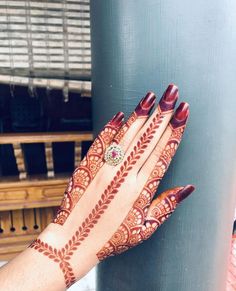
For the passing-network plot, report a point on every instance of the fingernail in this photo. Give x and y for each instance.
(117, 119)
(169, 98)
(146, 104)
(181, 115)
(184, 193)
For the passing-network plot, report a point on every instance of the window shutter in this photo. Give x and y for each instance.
(46, 42)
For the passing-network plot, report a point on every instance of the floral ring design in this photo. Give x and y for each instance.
(114, 155)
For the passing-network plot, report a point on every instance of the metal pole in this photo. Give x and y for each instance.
(144, 45)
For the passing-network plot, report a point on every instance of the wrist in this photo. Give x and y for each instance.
(57, 246)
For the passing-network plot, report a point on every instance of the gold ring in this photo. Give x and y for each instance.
(114, 155)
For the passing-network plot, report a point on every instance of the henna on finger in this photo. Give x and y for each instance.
(137, 228)
(164, 109)
(159, 159)
(88, 168)
(167, 103)
(141, 112)
(162, 207)
(169, 98)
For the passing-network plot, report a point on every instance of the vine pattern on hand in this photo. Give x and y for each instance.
(136, 227)
(84, 174)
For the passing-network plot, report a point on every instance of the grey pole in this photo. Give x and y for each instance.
(144, 45)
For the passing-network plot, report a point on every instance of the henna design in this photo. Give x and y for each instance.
(89, 166)
(136, 227)
(64, 255)
(133, 117)
(160, 212)
(181, 115)
(145, 105)
(169, 98)
(58, 256)
(142, 110)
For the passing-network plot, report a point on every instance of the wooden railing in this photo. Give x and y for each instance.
(27, 203)
(47, 138)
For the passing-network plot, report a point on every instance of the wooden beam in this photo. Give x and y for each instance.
(49, 159)
(14, 138)
(32, 193)
(20, 160)
(77, 155)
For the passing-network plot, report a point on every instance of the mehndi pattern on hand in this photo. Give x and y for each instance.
(149, 145)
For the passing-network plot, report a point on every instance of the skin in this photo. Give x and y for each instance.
(231, 276)
(108, 209)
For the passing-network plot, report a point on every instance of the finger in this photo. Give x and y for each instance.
(159, 160)
(149, 135)
(136, 120)
(88, 168)
(106, 136)
(162, 207)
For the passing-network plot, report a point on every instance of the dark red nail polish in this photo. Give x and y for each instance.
(146, 104)
(117, 119)
(181, 115)
(184, 193)
(169, 98)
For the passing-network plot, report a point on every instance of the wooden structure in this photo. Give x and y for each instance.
(28, 204)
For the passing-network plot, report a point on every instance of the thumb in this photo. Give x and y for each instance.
(162, 207)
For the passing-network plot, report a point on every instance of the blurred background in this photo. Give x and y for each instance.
(45, 89)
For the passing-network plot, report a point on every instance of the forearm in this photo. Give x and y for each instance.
(35, 270)
(31, 271)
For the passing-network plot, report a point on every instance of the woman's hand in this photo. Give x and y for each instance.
(108, 207)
